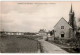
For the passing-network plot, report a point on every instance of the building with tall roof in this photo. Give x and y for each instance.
(64, 29)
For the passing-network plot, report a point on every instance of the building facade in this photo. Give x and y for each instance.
(64, 29)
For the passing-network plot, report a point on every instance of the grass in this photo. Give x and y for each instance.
(15, 44)
(66, 48)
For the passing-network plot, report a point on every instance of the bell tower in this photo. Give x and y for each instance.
(72, 21)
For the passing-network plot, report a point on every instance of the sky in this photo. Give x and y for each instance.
(33, 16)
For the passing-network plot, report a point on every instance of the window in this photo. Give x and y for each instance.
(62, 35)
(62, 27)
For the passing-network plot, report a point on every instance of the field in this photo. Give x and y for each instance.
(18, 44)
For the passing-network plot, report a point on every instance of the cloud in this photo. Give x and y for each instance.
(31, 18)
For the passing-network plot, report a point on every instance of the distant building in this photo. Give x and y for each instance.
(43, 33)
(14, 33)
(11, 33)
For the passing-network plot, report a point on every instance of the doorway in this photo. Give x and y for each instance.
(62, 35)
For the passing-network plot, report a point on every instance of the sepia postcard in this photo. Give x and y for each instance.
(39, 27)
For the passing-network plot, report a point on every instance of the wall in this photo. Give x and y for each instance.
(58, 29)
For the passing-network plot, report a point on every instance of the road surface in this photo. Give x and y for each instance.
(51, 48)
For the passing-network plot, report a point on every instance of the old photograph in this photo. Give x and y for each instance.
(39, 27)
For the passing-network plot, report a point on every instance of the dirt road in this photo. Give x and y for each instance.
(51, 48)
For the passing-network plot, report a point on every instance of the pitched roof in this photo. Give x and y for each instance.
(42, 30)
(64, 20)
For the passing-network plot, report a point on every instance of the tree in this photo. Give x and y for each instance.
(79, 23)
(79, 20)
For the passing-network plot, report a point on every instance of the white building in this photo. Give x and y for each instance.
(62, 29)
(43, 33)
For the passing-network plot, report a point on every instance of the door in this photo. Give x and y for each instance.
(62, 35)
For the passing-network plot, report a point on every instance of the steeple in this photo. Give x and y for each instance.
(72, 21)
(71, 9)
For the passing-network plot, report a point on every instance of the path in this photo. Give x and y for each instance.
(51, 48)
